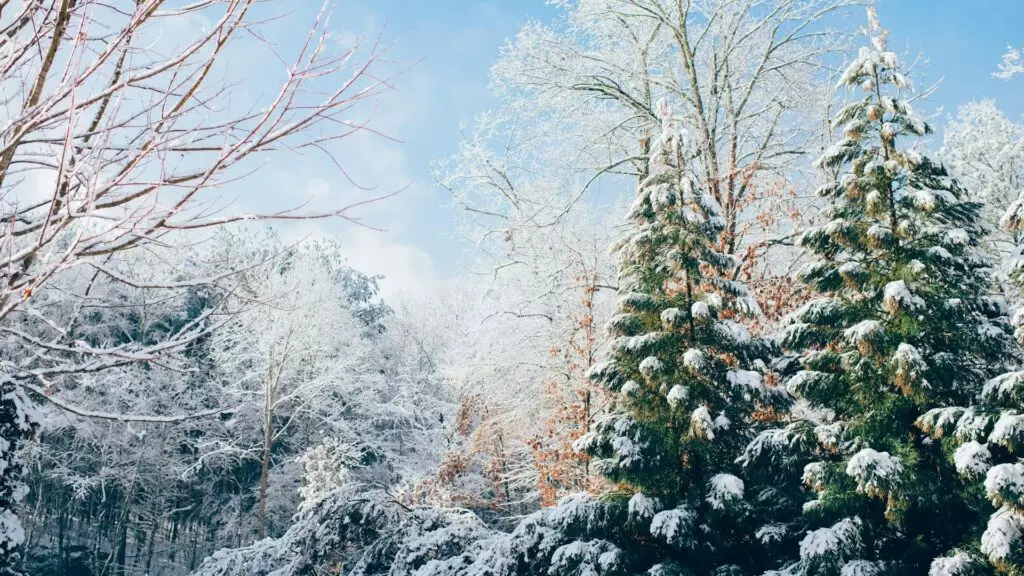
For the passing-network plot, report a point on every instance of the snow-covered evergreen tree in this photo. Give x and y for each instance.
(358, 530)
(904, 325)
(684, 400)
(985, 441)
(18, 416)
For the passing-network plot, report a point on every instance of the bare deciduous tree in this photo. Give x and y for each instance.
(120, 131)
(748, 78)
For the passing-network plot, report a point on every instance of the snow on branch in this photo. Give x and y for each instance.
(1011, 65)
(124, 417)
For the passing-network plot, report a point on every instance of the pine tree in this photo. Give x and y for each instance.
(985, 441)
(904, 326)
(687, 382)
(18, 418)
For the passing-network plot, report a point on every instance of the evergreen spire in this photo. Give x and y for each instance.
(677, 350)
(904, 325)
(687, 383)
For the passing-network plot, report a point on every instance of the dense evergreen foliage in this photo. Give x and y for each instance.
(904, 326)
(17, 418)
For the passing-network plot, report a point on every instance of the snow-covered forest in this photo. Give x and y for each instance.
(737, 301)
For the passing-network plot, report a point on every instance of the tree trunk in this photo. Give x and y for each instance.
(268, 442)
(264, 479)
(152, 541)
(122, 548)
(174, 540)
(192, 560)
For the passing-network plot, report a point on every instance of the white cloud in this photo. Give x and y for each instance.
(405, 267)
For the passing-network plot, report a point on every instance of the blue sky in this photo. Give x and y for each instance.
(451, 44)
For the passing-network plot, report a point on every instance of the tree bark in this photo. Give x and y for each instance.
(268, 442)
(122, 548)
(268, 439)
